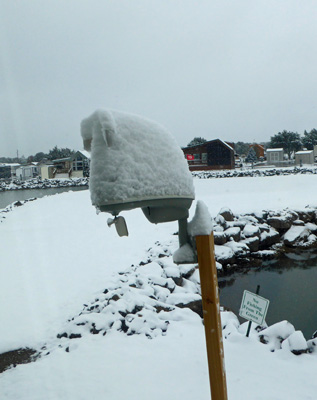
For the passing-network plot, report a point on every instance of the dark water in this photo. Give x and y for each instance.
(289, 283)
(9, 196)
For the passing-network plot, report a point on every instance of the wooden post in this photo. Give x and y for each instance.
(211, 313)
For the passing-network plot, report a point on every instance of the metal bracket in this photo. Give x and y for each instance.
(120, 225)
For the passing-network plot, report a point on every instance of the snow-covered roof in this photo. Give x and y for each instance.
(278, 149)
(9, 164)
(28, 166)
(133, 159)
(226, 144)
(85, 153)
(61, 159)
(210, 141)
(305, 152)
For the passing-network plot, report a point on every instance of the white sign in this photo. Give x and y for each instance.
(253, 307)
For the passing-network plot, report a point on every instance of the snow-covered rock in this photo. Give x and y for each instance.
(252, 243)
(267, 239)
(234, 233)
(150, 269)
(283, 221)
(295, 234)
(238, 248)
(299, 222)
(275, 334)
(251, 230)
(221, 221)
(296, 343)
(220, 237)
(312, 345)
(224, 254)
(229, 323)
(226, 213)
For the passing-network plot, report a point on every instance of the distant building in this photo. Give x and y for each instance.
(81, 163)
(258, 148)
(62, 167)
(214, 154)
(304, 157)
(25, 172)
(8, 170)
(5, 171)
(75, 166)
(46, 170)
(275, 156)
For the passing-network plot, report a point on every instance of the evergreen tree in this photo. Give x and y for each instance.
(196, 141)
(39, 156)
(241, 148)
(56, 153)
(251, 157)
(310, 139)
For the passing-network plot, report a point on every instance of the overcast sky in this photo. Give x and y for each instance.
(235, 70)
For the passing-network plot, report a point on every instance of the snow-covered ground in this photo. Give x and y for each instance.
(56, 254)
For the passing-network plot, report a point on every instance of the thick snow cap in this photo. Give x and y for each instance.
(133, 159)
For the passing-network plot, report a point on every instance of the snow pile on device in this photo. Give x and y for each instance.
(133, 159)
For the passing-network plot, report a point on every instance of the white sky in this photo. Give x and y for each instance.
(234, 70)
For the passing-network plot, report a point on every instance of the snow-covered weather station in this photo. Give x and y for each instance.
(136, 163)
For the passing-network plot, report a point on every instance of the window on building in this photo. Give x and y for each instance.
(275, 156)
(77, 165)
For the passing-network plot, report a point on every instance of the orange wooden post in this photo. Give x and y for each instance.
(211, 312)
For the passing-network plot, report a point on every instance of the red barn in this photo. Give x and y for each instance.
(258, 148)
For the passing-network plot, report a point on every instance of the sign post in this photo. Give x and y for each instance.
(253, 308)
(211, 313)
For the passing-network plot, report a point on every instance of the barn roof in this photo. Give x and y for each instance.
(210, 141)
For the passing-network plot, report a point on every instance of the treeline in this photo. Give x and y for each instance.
(53, 154)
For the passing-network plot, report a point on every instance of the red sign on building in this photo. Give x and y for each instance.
(190, 157)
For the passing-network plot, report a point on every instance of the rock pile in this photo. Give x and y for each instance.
(144, 299)
(147, 298)
(240, 173)
(279, 336)
(241, 239)
(38, 183)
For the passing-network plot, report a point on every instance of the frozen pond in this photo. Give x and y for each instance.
(9, 196)
(290, 284)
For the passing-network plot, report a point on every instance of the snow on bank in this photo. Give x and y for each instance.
(54, 254)
(57, 254)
